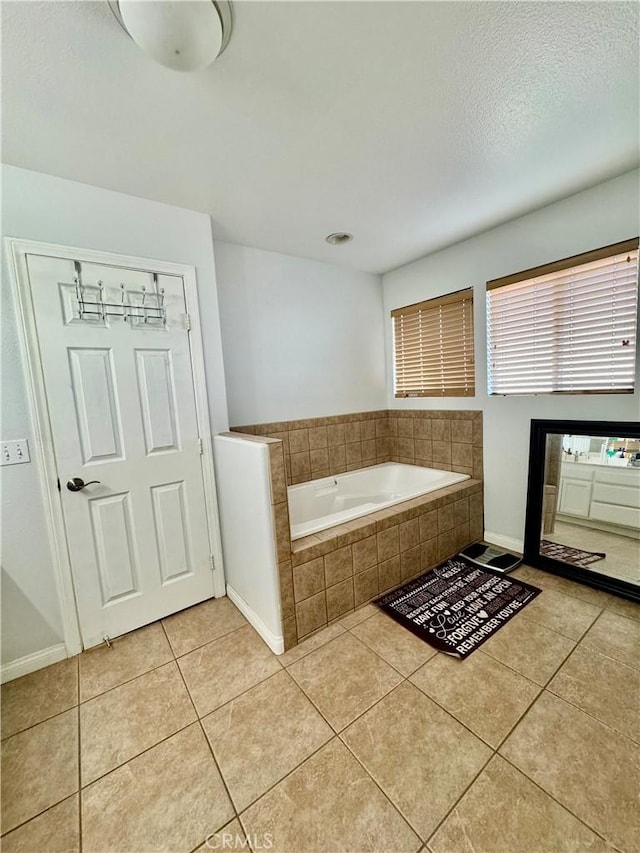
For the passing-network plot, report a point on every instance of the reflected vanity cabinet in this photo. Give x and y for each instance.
(607, 495)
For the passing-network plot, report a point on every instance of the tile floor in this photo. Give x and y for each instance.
(362, 739)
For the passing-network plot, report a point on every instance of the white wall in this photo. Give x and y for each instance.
(301, 338)
(605, 214)
(52, 210)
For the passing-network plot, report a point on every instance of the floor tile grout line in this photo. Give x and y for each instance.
(214, 640)
(39, 814)
(462, 795)
(552, 797)
(207, 741)
(253, 802)
(384, 793)
(44, 720)
(608, 726)
(464, 725)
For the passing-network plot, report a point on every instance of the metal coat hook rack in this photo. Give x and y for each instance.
(150, 308)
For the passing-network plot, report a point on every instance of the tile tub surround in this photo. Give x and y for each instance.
(322, 447)
(329, 574)
(338, 570)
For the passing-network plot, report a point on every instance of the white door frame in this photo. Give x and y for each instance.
(43, 447)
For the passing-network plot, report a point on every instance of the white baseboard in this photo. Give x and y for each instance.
(275, 643)
(504, 541)
(32, 662)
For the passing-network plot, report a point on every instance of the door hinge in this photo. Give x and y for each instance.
(59, 489)
(212, 563)
(187, 322)
(200, 447)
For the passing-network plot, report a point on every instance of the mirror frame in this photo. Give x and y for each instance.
(540, 429)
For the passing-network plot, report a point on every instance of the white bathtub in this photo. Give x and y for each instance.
(324, 503)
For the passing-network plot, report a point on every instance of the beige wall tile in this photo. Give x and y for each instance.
(422, 428)
(319, 459)
(441, 430)
(352, 432)
(389, 574)
(367, 430)
(283, 531)
(461, 511)
(311, 614)
(340, 599)
(278, 474)
(335, 434)
(353, 453)
(298, 440)
(337, 458)
(300, 465)
(388, 543)
(441, 451)
(308, 579)
(406, 447)
(462, 431)
(445, 518)
(365, 586)
(290, 633)
(409, 534)
(317, 437)
(382, 428)
(428, 525)
(338, 565)
(423, 450)
(365, 553)
(369, 449)
(285, 575)
(410, 564)
(447, 544)
(429, 553)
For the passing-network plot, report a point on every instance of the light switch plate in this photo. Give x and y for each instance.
(14, 452)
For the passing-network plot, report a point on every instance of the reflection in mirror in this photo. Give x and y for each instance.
(591, 504)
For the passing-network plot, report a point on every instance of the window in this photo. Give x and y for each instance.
(567, 327)
(433, 347)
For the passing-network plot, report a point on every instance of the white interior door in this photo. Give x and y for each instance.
(122, 410)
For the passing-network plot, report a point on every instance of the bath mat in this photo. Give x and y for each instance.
(567, 554)
(457, 606)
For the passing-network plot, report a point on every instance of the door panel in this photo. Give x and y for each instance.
(122, 409)
(98, 420)
(156, 390)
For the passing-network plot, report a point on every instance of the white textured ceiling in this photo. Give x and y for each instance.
(412, 125)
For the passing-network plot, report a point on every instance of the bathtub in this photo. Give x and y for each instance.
(324, 503)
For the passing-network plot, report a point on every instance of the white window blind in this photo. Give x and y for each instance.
(433, 347)
(567, 327)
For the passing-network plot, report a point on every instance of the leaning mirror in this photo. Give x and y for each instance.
(583, 503)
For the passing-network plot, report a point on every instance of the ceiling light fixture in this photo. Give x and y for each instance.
(185, 35)
(339, 238)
